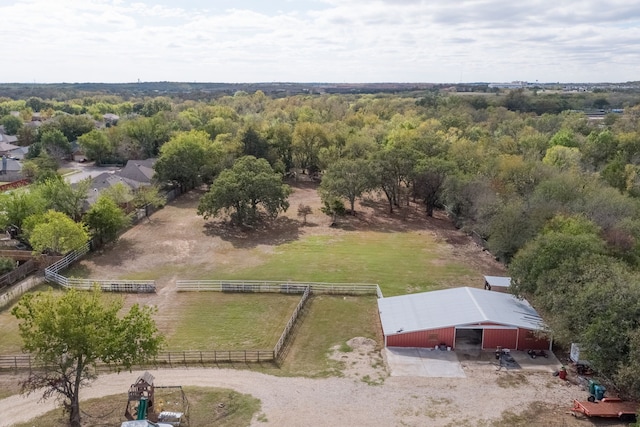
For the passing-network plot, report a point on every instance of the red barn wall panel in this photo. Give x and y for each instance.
(505, 338)
(427, 338)
(530, 340)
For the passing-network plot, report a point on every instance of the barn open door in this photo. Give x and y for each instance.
(468, 339)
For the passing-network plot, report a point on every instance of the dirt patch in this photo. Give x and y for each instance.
(176, 241)
(361, 359)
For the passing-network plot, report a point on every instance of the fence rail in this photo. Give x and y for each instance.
(18, 273)
(277, 350)
(278, 287)
(213, 356)
(193, 357)
(17, 361)
(51, 274)
(69, 259)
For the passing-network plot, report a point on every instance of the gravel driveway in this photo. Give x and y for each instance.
(345, 401)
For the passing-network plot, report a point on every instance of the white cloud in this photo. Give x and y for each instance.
(328, 40)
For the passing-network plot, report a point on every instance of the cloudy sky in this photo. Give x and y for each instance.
(442, 41)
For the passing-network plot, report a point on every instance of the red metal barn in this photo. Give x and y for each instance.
(462, 317)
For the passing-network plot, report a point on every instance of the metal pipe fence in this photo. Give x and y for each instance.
(51, 274)
(256, 286)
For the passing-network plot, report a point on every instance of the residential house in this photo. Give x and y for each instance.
(135, 174)
(10, 170)
(6, 148)
(138, 170)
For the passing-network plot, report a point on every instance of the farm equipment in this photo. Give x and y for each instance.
(608, 407)
(535, 353)
(583, 369)
(596, 391)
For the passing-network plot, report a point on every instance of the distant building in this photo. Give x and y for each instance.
(512, 85)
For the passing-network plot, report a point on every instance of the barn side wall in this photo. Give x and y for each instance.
(529, 340)
(505, 338)
(429, 338)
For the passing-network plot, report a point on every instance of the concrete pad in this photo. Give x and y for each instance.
(423, 362)
(547, 364)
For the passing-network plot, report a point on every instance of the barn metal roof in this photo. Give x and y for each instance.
(499, 281)
(455, 307)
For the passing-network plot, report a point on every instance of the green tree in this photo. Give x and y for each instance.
(564, 158)
(16, 206)
(148, 196)
(105, 219)
(188, 159)
(391, 171)
(308, 139)
(55, 144)
(40, 168)
(69, 333)
(54, 232)
(565, 138)
(251, 183)
(348, 179)
(429, 177)
(509, 230)
(96, 145)
(27, 136)
(12, 124)
(563, 239)
(65, 197)
(6, 265)
(254, 144)
(146, 135)
(615, 173)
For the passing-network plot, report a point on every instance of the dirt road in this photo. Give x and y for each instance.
(479, 399)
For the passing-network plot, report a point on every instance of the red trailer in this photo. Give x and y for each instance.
(609, 407)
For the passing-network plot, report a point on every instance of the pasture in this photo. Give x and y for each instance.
(404, 252)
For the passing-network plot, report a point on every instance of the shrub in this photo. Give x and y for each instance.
(6, 265)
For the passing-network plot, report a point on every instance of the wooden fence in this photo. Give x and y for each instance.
(170, 358)
(18, 273)
(13, 185)
(51, 274)
(16, 255)
(256, 286)
(16, 362)
(277, 350)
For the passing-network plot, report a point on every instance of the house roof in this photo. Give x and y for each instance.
(18, 153)
(11, 165)
(498, 281)
(138, 170)
(455, 307)
(5, 146)
(106, 180)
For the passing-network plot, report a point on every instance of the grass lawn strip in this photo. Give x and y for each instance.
(208, 407)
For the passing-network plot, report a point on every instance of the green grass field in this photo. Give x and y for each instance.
(208, 407)
(399, 262)
(220, 321)
(329, 321)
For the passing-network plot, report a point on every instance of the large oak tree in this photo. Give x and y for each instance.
(250, 184)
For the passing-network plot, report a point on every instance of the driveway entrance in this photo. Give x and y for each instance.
(423, 362)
